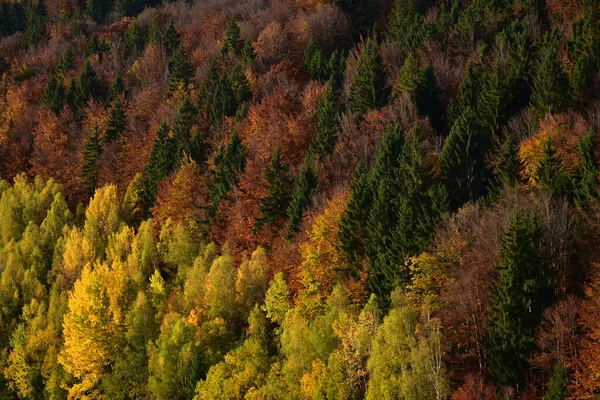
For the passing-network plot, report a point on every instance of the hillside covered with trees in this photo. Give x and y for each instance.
(299, 199)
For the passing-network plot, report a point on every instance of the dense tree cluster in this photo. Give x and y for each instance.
(350, 199)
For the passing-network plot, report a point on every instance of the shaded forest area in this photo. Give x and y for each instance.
(299, 199)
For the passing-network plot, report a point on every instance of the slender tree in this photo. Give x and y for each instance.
(327, 125)
(551, 84)
(302, 197)
(279, 183)
(92, 150)
(180, 70)
(369, 89)
(522, 291)
(117, 121)
(463, 160)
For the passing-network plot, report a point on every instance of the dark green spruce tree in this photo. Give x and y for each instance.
(36, 28)
(88, 85)
(134, 41)
(522, 292)
(180, 70)
(468, 93)
(301, 198)
(91, 152)
(369, 89)
(279, 184)
(240, 85)
(183, 125)
(117, 121)
(171, 40)
(463, 160)
(362, 14)
(66, 64)
(557, 384)
(327, 125)
(55, 94)
(549, 174)
(551, 84)
(353, 224)
(117, 88)
(229, 163)
(160, 164)
(233, 41)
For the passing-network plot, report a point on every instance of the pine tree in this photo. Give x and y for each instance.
(160, 164)
(72, 97)
(182, 127)
(353, 224)
(369, 89)
(233, 41)
(493, 100)
(88, 86)
(302, 197)
(35, 26)
(66, 64)
(92, 150)
(117, 88)
(549, 173)
(240, 85)
(468, 93)
(172, 40)
(97, 45)
(551, 84)
(463, 160)
(327, 125)
(229, 162)
(315, 61)
(134, 41)
(508, 168)
(54, 94)
(557, 385)
(407, 23)
(279, 183)
(522, 291)
(217, 96)
(180, 70)
(586, 187)
(97, 9)
(117, 123)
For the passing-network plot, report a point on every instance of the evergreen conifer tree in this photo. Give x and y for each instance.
(134, 41)
(54, 94)
(180, 71)
(369, 89)
(172, 40)
(240, 85)
(229, 162)
(72, 96)
(327, 125)
(551, 84)
(35, 25)
(117, 123)
(557, 385)
(508, 167)
(549, 173)
(315, 61)
(353, 224)
(463, 160)
(117, 88)
(182, 127)
(66, 64)
(233, 41)
(160, 164)
(302, 197)
(522, 291)
(88, 86)
(468, 93)
(279, 183)
(92, 150)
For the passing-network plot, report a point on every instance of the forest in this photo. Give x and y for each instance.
(300, 199)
